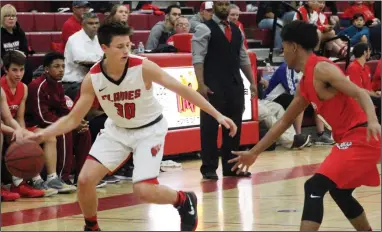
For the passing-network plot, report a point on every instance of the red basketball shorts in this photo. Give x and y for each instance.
(353, 161)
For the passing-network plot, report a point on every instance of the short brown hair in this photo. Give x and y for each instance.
(14, 57)
(107, 31)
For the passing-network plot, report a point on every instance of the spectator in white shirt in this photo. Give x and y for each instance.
(82, 51)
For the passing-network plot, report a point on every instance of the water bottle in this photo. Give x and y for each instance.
(141, 48)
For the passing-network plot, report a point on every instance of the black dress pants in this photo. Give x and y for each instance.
(228, 100)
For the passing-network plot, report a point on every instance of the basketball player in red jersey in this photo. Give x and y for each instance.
(123, 85)
(16, 94)
(351, 115)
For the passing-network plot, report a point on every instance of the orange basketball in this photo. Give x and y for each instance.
(24, 160)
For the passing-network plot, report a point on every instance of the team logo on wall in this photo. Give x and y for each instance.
(186, 108)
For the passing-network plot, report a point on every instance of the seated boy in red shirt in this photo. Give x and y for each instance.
(359, 74)
(16, 94)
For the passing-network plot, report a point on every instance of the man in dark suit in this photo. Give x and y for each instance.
(218, 54)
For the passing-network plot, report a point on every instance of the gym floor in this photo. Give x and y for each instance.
(272, 199)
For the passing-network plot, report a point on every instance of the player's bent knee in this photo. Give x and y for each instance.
(346, 202)
(318, 185)
(315, 189)
(143, 189)
(86, 181)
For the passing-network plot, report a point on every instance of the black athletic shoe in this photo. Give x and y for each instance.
(88, 229)
(300, 141)
(188, 213)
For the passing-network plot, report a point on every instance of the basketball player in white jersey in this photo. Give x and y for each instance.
(122, 83)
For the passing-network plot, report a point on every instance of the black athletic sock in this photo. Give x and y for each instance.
(92, 223)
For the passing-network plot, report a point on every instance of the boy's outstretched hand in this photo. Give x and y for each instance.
(243, 161)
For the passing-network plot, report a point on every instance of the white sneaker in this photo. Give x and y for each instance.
(61, 186)
(41, 185)
(170, 164)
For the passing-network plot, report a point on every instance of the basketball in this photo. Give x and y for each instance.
(24, 160)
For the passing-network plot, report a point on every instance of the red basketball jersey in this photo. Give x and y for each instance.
(13, 100)
(341, 112)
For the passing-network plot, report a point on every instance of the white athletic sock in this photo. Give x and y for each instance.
(16, 180)
(36, 178)
(51, 176)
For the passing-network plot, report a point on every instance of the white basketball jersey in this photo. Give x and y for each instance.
(126, 102)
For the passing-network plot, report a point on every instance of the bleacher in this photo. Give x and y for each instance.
(44, 28)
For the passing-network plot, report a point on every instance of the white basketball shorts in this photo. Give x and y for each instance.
(114, 145)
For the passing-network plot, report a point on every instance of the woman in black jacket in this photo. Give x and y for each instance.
(13, 37)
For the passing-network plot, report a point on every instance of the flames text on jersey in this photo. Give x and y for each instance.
(122, 96)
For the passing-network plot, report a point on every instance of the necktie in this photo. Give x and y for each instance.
(227, 30)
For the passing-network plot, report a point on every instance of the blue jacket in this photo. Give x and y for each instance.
(355, 34)
(284, 80)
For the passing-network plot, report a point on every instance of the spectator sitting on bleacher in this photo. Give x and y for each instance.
(163, 30)
(327, 31)
(372, 22)
(282, 88)
(73, 24)
(81, 52)
(270, 112)
(359, 73)
(118, 13)
(265, 17)
(233, 16)
(358, 32)
(363, 8)
(205, 13)
(331, 7)
(46, 104)
(311, 13)
(182, 25)
(13, 37)
(17, 94)
(8, 126)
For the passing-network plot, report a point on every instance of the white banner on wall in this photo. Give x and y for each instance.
(181, 113)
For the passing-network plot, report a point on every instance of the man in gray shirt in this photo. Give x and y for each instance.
(164, 29)
(205, 13)
(218, 54)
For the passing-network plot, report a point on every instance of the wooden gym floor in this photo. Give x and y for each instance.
(271, 200)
